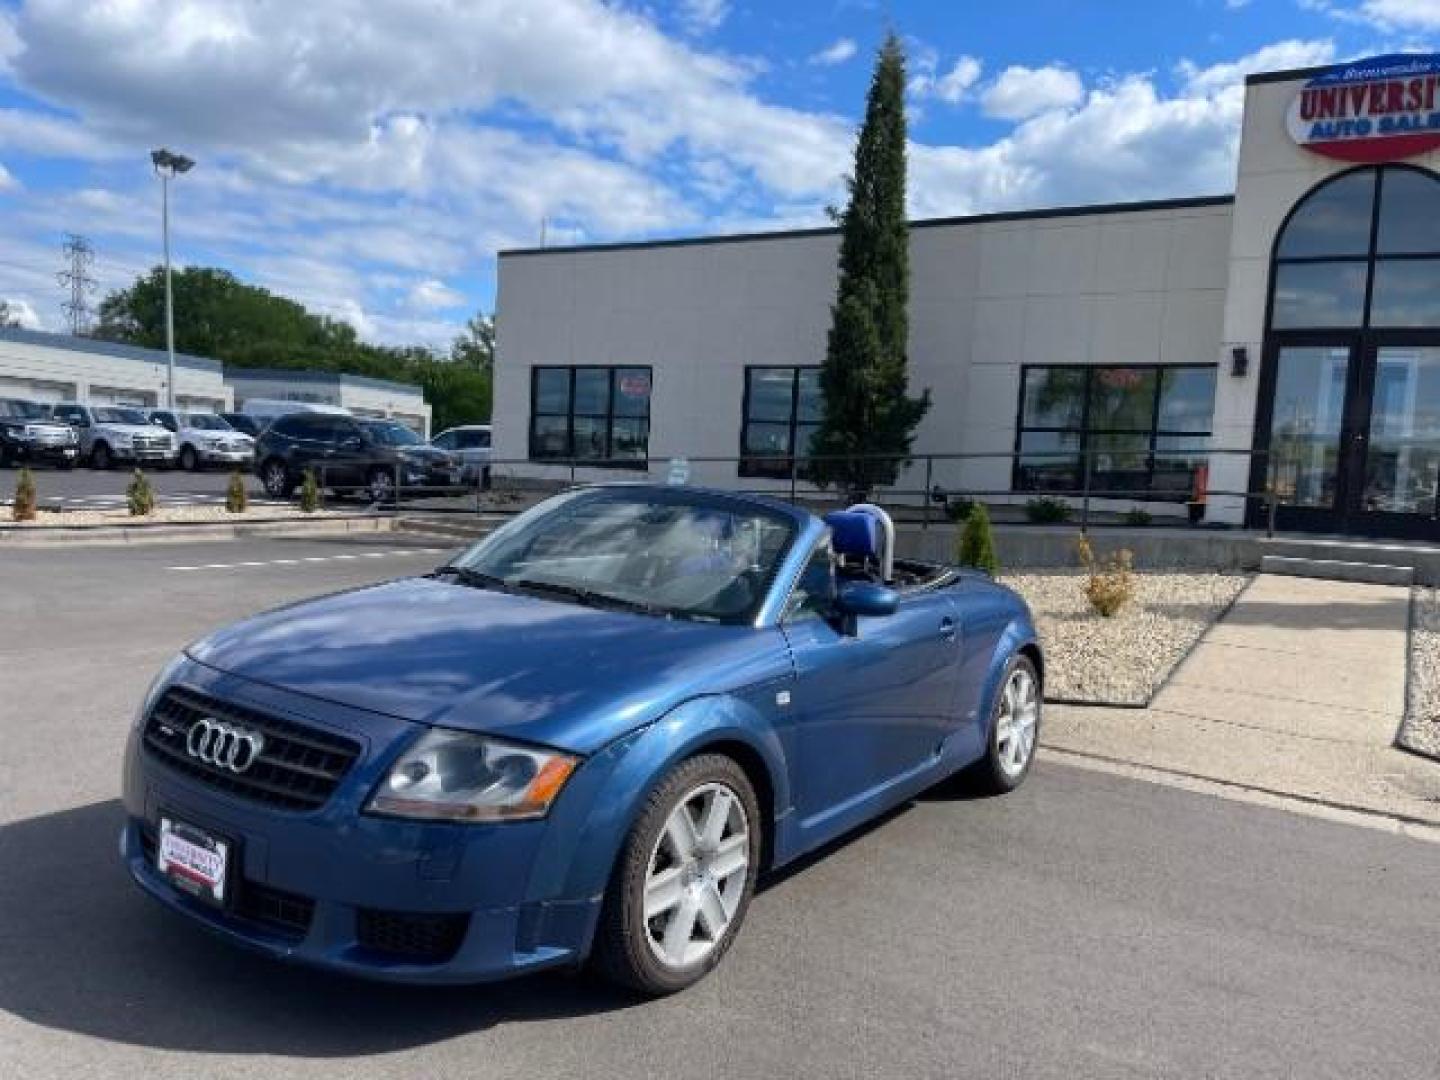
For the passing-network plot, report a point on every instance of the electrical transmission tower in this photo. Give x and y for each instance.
(77, 282)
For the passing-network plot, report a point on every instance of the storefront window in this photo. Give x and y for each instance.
(782, 411)
(1365, 233)
(1143, 429)
(591, 414)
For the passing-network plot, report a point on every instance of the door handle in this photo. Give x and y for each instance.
(947, 629)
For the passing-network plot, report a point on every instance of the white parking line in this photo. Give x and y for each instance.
(313, 559)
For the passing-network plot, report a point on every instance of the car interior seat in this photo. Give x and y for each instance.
(855, 541)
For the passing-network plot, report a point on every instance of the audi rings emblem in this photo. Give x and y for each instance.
(223, 745)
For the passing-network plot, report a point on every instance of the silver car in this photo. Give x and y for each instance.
(205, 439)
(111, 433)
(471, 444)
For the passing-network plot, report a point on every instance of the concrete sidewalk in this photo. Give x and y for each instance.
(1298, 691)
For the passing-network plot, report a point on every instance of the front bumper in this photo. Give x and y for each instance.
(130, 453)
(494, 885)
(46, 451)
(244, 458)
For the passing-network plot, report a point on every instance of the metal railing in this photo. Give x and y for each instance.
(919, 488)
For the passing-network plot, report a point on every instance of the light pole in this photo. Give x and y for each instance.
(167, 167)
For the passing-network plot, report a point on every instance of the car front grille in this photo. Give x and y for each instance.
(298, 768)
(150, 442)
(418, 936)
(285, 913)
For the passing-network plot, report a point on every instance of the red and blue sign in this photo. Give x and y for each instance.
(1370, 111)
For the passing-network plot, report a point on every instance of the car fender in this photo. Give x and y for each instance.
(1018, 634)
(588, 830)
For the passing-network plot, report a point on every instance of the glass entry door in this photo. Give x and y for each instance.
(1402, 440)
(1354, 435)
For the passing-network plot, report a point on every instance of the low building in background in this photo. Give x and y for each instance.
(37, 366)
(362, 395)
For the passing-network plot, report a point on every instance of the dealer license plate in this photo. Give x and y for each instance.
(194, 861)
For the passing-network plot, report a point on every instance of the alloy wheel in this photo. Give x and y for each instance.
(275, 480)
(696, 876)
(382, 486)
(1017, 723)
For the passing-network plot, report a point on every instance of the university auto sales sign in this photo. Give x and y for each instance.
(1370, 111)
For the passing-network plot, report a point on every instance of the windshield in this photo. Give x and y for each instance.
(24, 410)
(677, 553)
(392, 434)
(206, 422)
(120, 416)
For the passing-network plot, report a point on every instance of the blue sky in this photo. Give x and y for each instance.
(369, 157)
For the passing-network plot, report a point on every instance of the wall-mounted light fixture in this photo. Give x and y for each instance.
(1239, 361)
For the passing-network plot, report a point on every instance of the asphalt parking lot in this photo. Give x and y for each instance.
(1088, 925)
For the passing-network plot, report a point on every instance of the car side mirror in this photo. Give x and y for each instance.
(857, 598)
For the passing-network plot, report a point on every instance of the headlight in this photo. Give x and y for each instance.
(159, 685)
(454, 776)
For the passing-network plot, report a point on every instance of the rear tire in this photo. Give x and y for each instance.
(1014, 729)
(684, 879)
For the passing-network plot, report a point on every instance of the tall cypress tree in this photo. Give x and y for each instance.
(868, 410)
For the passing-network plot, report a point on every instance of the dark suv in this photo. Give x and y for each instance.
(27, 433)
(347, 454)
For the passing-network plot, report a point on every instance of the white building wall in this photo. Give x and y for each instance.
(45, 372)
(1137, 287)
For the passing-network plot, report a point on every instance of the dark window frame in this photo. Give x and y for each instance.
(779, 466)
(1085, 451)
(608, 417)
(1371, 259)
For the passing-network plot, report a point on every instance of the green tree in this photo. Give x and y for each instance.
(868, 410)
(977, 542)
(475, 347)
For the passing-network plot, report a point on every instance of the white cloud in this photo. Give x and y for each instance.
(703, 16)
(7, 180)
(22, 310)
(949, 87)
(1282, 55)
(838, 52)
(1019, 93)
(432, 294)
(1403, 14)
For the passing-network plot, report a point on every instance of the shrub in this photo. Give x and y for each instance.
(958, 507)
(237, 501)
(1138, 517)
(1046, 510)
(140, 496)
(1111, 582)
(25, 497)
(309, 493)
(977, 542)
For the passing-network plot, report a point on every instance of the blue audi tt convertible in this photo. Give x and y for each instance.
(580, 741)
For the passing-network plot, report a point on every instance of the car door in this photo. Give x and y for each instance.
(870, 707)
(345, 451)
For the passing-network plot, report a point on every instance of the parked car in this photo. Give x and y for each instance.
(111, 433)
(27, 433)
(263, 410)
(205, 439)
(471, 444)
(583, 739)
(244, 422)
(347, 453)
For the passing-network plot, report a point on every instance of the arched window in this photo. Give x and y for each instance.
(1361, 250)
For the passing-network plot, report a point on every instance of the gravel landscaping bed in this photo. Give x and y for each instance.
(1421, 731)
(1123, 659)
(163, 515)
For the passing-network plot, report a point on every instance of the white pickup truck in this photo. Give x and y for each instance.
(111, 433)
(205, 439)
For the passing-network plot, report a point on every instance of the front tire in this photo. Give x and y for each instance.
(684, 879)
(381, 486)
(189, 460)
(1014, 728)
(100, 457)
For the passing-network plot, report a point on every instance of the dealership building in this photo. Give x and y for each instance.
(38, 366)
(1283, 337)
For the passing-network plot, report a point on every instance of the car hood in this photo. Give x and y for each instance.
(435, 652)
(43, 425)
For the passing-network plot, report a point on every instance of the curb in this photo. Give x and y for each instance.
(169, 532)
